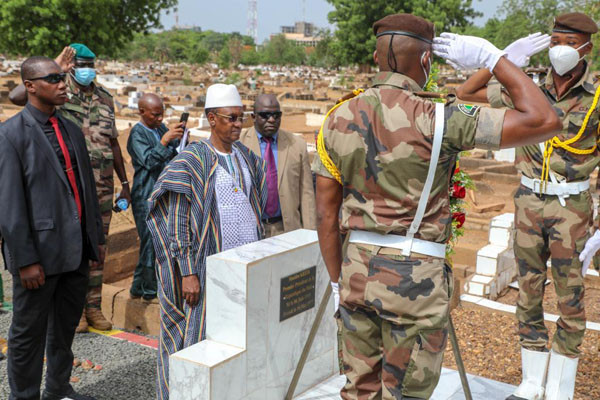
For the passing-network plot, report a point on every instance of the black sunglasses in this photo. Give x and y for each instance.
(51, 78)
(269, 114)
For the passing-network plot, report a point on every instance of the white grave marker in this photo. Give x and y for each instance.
(261, 301)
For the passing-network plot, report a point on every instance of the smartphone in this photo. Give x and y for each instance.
(184, 117)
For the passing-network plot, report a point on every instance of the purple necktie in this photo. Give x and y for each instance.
(273, 192)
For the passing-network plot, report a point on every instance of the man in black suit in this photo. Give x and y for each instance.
(51, 225)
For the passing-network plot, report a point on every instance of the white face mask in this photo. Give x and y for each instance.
(564, 58)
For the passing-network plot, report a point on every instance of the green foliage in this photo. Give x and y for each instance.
(189, 46)
(324, 53)
(44, 27)
(518, 18)
(233, 79)
(354, 19)
(281, 51)
(226, 49)
(250, 57)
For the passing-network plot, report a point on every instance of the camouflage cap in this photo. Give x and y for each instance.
(574, 23)
(82, 51)
(405, 25)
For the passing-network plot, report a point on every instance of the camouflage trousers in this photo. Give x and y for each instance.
(103, 175)
(544, 229)
(393, 318)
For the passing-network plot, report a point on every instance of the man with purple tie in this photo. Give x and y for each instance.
(291, 197)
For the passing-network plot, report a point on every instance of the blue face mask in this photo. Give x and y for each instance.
(84, 76)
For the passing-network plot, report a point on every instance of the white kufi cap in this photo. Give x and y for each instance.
(221, 95)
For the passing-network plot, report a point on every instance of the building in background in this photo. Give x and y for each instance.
(302, 33)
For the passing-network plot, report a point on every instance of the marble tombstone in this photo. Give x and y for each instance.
(262, 299)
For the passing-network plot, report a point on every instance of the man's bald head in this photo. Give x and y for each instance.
(151, 110)
(267, 114)
(150, 100)
(265, 100)
(37, 66)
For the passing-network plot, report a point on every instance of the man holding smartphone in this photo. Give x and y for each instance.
(151, 146)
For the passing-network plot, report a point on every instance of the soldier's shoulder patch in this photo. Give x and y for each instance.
(469, 110)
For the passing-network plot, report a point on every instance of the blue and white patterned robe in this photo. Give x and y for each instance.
(184, 222)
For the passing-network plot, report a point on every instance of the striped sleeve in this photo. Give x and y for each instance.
(180, 235)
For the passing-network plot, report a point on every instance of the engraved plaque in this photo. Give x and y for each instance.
(297, 293)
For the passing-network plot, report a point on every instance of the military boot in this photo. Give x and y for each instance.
(97, 320)
(534, 365)
(83, 325)
(561, 377)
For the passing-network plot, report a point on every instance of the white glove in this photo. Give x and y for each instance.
(466, 52)
(336, 294)
(519, 51)
(591, 247)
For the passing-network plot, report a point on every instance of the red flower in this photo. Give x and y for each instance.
(458, 192)
(459, 217)
(456, 170)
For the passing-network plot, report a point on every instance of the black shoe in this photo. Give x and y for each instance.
(513, 397)
(73, 395)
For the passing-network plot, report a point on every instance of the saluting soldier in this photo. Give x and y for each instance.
(92, 108)
(386, 158)
(553, 208)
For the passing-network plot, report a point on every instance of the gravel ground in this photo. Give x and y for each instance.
(592, 300)
(128, 370)
(488, 341)
(490, 348)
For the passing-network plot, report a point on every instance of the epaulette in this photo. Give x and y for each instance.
(349, 96)
(431, 95)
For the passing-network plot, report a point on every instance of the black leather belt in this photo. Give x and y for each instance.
(273, 220)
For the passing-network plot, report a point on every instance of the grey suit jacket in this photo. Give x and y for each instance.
(38, 215)
(294, 179)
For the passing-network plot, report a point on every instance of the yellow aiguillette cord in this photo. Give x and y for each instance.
(322, 151)
(555, 142)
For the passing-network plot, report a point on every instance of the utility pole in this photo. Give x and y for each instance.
(252, 28)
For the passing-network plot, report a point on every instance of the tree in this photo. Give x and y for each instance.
(280, 51)
(354, 19)
(235, 49)
(44, 27)
(591, 8)
(518, 18)
(324, 53)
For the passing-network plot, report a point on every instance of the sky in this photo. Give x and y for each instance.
(231, 15)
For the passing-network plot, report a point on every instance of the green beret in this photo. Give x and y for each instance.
(575, 23)
(82, 51)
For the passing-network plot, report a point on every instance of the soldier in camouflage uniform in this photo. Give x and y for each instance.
(376, 158)
(554, 219)
(92, 108)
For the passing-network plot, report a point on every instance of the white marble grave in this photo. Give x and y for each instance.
(496, 266)
(249, 353)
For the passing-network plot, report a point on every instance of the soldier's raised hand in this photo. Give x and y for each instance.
(591, 247)
(466, 52)
(65, 59)
(519, 51)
